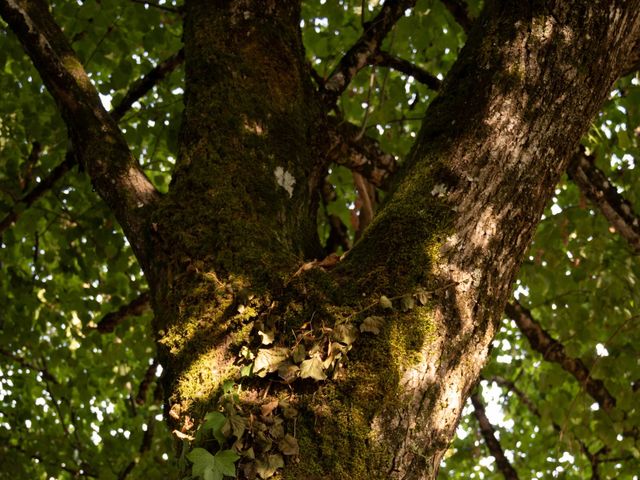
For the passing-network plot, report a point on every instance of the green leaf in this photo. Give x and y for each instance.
(312, 368)
(213, 467)
(215, 421)
(267, 468)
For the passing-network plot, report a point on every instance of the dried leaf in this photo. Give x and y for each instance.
(266, 468)
(345, 333)
(269, 359)
(267, 408)
(289, 445)
(288, 372)
(372, 324)
(385, 302)
(407, 303)
(422, 297)
(238, 425)
(299, 353)
(267, 337)
(312, 368)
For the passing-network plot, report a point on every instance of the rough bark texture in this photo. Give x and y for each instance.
(428, 280)
(456, 225)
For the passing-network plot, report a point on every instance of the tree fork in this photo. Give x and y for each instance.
(452, 234)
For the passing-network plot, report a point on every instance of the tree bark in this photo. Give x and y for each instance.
(365, 364)
(444, 249)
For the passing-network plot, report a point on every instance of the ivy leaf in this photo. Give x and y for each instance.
(385, 302)
(372, 324)
(238, 425)
(267, 337)
(267, 468)
(312, 368)
(299, 353)
(289, 445)
(407, 303)
(288, 372)
(345, 333)
(215, 421)
(213, 467)
(269, 359)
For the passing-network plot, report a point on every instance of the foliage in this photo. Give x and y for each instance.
(75, 401)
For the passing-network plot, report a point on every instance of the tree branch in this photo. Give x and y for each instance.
(145, 446)
(458, 9)
(385, 59)
(594, 184)
(136, 307)
(141, 86)
(594, 458)
(554, 351)
(137, 90)
(359, 54)
(511, 386)
(37, 192)
(361, 154)
(165, 8)
(488, 433)
(97, 141)
(46, 375)
(148, 378)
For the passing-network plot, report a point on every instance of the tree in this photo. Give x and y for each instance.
(278, 359)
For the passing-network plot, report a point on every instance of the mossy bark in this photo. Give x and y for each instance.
(239, 221)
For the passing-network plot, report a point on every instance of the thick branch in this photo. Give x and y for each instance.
(554, 351)
(97, 141)
(596, 187)
(137, 306)
(136, 91)
(359, 54)
(488, 433)
(458, 9)
(385, 59)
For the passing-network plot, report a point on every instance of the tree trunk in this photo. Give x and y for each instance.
(361, 369)
(444, 250)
